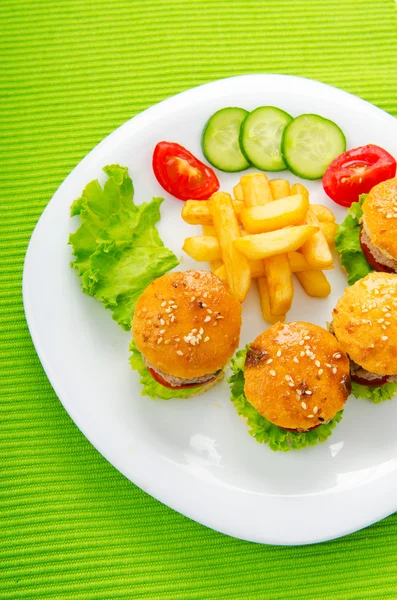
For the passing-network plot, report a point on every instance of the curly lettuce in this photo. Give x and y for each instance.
(374, 394)
(347, 243)
(117, 248)
(263, 430)
(153, 389)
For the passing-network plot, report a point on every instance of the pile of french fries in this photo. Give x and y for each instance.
(267, 232)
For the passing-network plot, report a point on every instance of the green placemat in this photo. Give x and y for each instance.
(72, 71)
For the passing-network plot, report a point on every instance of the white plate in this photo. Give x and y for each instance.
(196, 456)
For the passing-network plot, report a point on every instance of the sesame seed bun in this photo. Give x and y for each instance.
(187, 324)
(380, 216)
(365, 323)
(296, 375)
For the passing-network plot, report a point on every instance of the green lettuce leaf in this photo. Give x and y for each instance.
(375, 394)
(117, 248)
(263, 430)
(152, 388)
(347, 243)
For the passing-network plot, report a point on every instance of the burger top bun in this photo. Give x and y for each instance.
(365, 322)
(297, 375)
(380, 216)
(187, 324)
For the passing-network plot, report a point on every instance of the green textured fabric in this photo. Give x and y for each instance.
(71, 71)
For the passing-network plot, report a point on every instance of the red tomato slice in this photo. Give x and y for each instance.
(369, 382)
(157, 377)
(356, 172)
(181, 174)
(370, 259)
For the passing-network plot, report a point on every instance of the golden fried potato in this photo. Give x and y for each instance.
(263, 245)
(197, 212)
(316, 250)
(265, 303)
(314, 283)
(280, 188)
(279, 283)
(256, 189)
(203, 248)
(323, 213)
(275, 215)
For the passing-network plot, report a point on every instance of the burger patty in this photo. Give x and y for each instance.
(361, 373)
(178, 381)
(357, 371)
(377, 253)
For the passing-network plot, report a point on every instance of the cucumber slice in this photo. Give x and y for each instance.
(310, 143)
(220, 140)
(260, 137)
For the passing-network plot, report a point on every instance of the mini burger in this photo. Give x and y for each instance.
(365, 324)
(186, 327)
(378, 237)
(296, 381)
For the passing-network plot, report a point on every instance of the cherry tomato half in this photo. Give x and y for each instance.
(356, 172)
(181, 174)
(157, 377)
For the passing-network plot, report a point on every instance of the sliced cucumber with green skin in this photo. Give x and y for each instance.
(260, 137)
(220, 141)
(310, 143)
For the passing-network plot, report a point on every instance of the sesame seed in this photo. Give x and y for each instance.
(167, 342)
(302, 353)
(387, 314)
(328, 365)
(308, 392)
(209, 311)
(272, 373)
(206, 339)
(317, 363)
(309, 416)
(203, 305)
(309, 352)
(170, 302)
(384, 338)
(193, 298)
(178, 339)
(312, 357)
(179, 352)
(201, 331)
(301, 343)
(287, 377)
(162, 330)
(334, 370)
(387, 323)
(220, 317)
(306, 337)
(337, 355)
(194, 330)
(168, 310)
(299, 392)
(320, 371)
(163, 304)
(380, 320)
(296, 360)
(315, 410)
(384, 327)
(291, 384)
(174, 306)
(144, 309)
(172, 318)
(304, 405)
(269, 362)
(205, 295)
(365, 310)
(207, 319)
(278, 353)
(159, 340)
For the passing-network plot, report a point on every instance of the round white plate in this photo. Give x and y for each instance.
(196, 455)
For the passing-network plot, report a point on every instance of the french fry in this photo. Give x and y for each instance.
(221, 273)
(316, 250)
(298, 188)
(298, 263)
(329, 231)
(280, 188)
(263, 245)
(323, 213)
(203, 248)
(279, 283)
(228, 232)
(314, 283)
(209, 230)
(275, 215)
(265, 304)
(256, 189)
(238, 192)
(197, 212)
